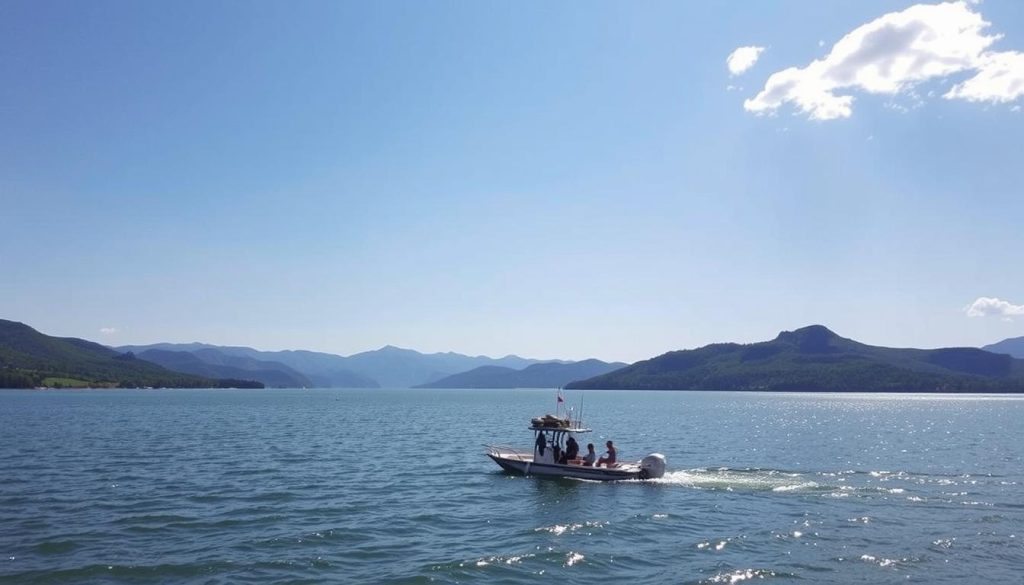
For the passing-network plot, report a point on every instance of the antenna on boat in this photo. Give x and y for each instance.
(579, 415)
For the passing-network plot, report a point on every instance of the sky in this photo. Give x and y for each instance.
(554, 180)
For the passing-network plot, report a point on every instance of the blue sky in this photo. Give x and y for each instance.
(553, 180)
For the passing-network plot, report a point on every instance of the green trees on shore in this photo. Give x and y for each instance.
(30, 359)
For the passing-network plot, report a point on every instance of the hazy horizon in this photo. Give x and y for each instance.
(456, 351)
(528, 179)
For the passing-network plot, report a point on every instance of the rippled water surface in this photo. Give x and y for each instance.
(227, 486)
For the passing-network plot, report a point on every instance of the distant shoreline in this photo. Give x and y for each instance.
(488, 390)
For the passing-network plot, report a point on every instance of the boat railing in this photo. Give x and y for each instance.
(505, 450)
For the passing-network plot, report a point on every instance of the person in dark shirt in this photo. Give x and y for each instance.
(572, 449)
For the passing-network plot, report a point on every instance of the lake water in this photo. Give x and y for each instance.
(392, 486)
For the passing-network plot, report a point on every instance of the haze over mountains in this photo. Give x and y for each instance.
(388, 367)
(29, 358)
(312, 368)
(548, 375)
(213, 363)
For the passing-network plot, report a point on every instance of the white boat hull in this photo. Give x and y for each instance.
(524, 464)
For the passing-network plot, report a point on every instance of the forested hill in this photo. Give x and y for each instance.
(30, 359)
(549, 375)
(816, 359)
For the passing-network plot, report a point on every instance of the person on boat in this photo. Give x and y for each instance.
(572, 449)
(609, 459)
(539, 447)
(591, 455)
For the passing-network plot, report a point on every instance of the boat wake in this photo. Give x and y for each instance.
(754, 480)
(832, 484)
(914, 488)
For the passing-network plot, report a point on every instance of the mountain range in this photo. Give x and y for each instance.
(302, 368)
(808, 359)
(1013, 346)
(389, 367)
(211, 363)
(29, 359)
(548, 375)
(816, 359)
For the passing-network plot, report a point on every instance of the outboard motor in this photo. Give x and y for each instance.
(652, 466)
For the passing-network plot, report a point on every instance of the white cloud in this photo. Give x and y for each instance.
(892, 54)
(108, 330)
(993, 307)
(742, 59)
(999, 79)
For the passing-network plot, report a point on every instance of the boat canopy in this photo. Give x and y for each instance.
(553, 423)
(568, 429)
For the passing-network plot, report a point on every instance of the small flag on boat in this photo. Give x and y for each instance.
(560, 399)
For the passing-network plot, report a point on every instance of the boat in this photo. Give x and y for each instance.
(550, 435)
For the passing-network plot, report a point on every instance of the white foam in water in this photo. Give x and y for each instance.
(741, 575)
(883, 562)
(559, 529)
(556, 529)
(572, 558)
(729, 479)
(500, 559)
(708, 544)
(800, 486)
